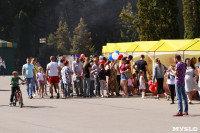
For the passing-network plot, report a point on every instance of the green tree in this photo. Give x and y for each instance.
(22, 35)
(156, 19)
(128, 30)
(191, 15)
(82, 41)
(63, 38)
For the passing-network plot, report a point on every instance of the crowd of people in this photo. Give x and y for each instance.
(99, 77)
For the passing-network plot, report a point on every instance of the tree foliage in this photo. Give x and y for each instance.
(128, 30)
(82, 41)
(191, 14)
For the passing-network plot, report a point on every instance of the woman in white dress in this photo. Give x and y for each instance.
(190, 83)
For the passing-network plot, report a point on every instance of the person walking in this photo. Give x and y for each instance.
(190, 83)
(180, 85)
(77, 68)
(53, 73)
(29, 75)
(96, 71)
(159, 72)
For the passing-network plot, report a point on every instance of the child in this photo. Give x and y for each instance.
(142, 84)
(41, 80)
(66, 77)
(102, 78)
(14, 82)
(134, 81)
(171, 83)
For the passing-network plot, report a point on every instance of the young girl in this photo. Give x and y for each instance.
(102, 78)
(134, 81)
(142, 84)
(41, 80)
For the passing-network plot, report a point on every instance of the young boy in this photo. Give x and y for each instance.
(14, 82)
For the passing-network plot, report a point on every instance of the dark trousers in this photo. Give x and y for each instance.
(172, 91)
(118, 82)
(14, 89)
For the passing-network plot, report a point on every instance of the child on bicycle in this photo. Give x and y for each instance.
(15, 85)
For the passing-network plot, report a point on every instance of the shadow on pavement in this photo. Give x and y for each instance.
(5, 90)
(194, 115)
(35, 107)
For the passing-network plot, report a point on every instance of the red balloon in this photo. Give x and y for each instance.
(150, 82)
(102, 62)
(152, 89)
(82, 55)
(120, 56)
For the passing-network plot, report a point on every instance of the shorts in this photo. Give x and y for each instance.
(54, 79)
(41, 81)
(123, 77)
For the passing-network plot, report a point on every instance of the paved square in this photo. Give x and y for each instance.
(96, 115)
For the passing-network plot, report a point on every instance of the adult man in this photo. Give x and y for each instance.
(28, 73)
(180, 85)
(77, 69)
(141, 65)
(53, 73)
(96, 70)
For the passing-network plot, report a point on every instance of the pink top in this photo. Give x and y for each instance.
(123, 67)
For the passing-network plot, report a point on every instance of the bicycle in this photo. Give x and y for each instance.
(18, 96)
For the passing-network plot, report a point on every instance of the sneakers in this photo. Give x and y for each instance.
(156, 98)
(185, 113)
(177, 114)
(172, 103)
(51, 97)
(167, 97)
(10, 104)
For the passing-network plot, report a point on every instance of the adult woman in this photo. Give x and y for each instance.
(35, 85)
(159, 72)
(113, 86)
(190, 82)
(86, 77)
(124, 79)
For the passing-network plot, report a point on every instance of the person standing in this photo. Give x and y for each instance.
(86, 79)
(29, 75)
(190, 82)
(35, 83)
(180, 85)
(171, 83)
(142, 65)
(159, 73)
(77, 69)
(96, 71)
(53, 73)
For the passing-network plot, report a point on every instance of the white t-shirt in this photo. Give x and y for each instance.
(170, 79)
(53, 68)
(40, 76)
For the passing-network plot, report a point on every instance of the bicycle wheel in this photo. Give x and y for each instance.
(14, 100)
(20, 101)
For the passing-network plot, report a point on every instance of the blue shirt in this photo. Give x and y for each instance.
(28, 68)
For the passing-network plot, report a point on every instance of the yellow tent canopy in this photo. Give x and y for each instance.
(144, 46)
(111, 47)
(104, 49)
(169, 45)
(132, 47)
(194, 45)
(124, 46)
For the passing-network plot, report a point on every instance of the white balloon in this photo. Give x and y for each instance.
(115, 56)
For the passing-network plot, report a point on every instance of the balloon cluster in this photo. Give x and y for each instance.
(115, 56)
(152, 87)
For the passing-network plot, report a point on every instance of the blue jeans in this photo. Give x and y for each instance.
(86, 85)
(91, 87)
(97, 85)
(180, 94)
(29, 85)
(66, 89)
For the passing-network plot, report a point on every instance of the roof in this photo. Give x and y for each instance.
(7, 44)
